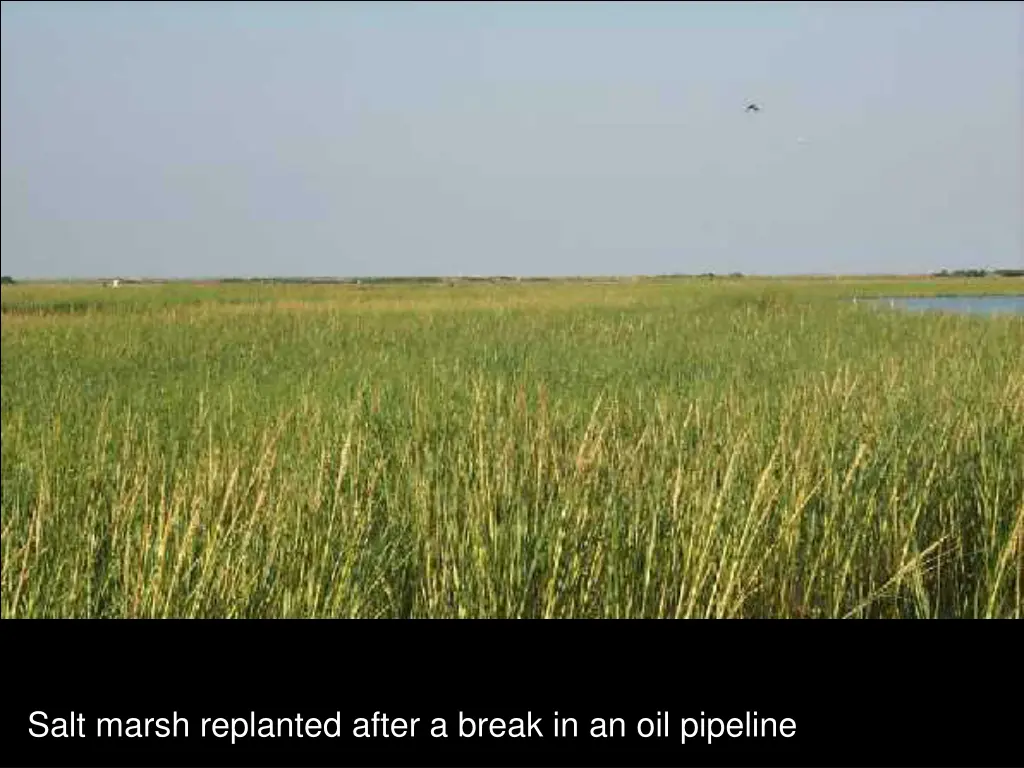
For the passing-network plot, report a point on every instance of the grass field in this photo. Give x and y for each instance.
(674, 448)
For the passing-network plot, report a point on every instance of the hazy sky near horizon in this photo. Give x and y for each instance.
(414, 138)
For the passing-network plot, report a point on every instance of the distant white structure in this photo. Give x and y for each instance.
(115, 283)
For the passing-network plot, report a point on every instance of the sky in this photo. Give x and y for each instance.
(352, 139)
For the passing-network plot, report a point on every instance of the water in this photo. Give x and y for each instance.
(987, 305)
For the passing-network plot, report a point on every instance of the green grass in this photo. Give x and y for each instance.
(661, 448)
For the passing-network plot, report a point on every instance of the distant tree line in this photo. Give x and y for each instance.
(979, 273)
(7, 280)
(705, 275)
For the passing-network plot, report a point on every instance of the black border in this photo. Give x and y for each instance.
(862, 693)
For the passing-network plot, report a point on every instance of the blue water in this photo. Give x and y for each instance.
(965, 304)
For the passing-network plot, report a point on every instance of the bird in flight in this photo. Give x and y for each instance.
(753, 107)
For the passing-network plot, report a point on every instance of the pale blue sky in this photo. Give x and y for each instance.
(376, 138)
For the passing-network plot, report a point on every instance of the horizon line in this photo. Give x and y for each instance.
(123, 277)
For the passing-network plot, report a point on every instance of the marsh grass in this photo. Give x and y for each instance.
(740, 448)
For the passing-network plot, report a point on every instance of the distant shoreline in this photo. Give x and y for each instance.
(500, 279)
